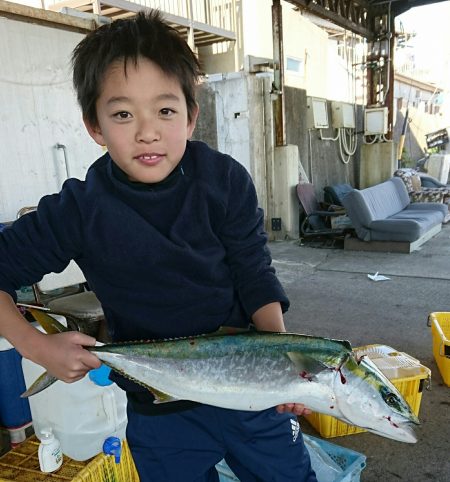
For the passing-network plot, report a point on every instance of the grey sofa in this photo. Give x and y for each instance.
(384, 213)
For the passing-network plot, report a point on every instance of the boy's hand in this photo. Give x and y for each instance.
(63, 355)
(295, 408)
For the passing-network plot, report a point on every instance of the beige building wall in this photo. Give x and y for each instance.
(309, 44)
(257, 28)
(304, 43)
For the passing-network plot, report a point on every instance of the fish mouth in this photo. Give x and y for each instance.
(414, 420)
(404, 432)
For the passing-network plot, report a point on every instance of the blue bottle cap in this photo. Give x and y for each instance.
(113, 446)
(100, 376)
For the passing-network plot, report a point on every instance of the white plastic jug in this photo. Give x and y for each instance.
(82, 414)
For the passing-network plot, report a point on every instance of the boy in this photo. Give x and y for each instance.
(170, 238)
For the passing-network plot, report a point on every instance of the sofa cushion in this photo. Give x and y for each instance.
(395, 230)
(410, 178)
(429, 207)
(409, 224)
(415, 181)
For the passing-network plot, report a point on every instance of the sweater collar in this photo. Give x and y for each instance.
(170, 180)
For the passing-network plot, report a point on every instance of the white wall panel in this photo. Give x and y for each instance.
(38, 111)
(232, 116)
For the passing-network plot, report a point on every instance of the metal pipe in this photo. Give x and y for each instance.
(278, 82)
(66, 162)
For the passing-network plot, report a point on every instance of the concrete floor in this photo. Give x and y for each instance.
(332, 296)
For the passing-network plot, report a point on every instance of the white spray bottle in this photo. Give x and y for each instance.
(49, 453)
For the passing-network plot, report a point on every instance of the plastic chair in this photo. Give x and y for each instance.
(316, 220)
(65, 293)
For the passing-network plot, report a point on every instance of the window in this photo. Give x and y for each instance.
(295, 66)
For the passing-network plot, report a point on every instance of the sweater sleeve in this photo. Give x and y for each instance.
(39, 242)
(245, 241)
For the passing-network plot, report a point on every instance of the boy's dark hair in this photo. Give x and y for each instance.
(145, 35)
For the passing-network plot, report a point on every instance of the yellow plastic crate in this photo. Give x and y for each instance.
(404, 371)
(440, 330)
(22, 465)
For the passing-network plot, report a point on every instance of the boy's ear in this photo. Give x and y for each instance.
(192, 123)
(95, 132)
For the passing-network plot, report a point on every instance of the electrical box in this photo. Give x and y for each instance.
(342, 115)
(375, 121)
(317, 113)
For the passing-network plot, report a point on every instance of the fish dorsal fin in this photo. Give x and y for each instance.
(306, 365)
(50, 325)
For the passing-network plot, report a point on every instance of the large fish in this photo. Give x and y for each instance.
(257, 370)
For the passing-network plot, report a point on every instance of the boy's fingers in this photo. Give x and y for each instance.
(86, 363)
(92, 361)
(295, 408)
(82, 338)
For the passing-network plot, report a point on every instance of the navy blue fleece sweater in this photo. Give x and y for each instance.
(179, 258)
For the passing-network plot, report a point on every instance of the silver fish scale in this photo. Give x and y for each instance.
(239, 381)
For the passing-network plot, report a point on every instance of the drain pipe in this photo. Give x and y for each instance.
(278, 72)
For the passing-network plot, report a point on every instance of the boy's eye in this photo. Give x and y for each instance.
(167, 112)
(122, 115)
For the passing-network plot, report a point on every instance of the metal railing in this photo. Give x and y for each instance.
(216, 13)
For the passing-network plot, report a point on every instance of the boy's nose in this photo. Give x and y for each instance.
(147, 131)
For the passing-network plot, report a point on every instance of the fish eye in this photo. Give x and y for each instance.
(390, 398)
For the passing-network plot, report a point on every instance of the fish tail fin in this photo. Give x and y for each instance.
(41, 383)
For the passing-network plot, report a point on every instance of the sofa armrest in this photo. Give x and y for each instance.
(427, 206)
(430, 181)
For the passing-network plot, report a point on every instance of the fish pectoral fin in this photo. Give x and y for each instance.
(306, 365)
(161, 397)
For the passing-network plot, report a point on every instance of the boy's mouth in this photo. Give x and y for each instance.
(149, 158)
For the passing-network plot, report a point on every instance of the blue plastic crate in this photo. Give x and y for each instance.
(352, 463)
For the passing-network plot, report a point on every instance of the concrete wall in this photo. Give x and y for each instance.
(237, 101)
(378, 163)
(320, 159)
(244, 121)
(206, 128)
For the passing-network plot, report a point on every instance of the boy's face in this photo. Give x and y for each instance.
(142, 120)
